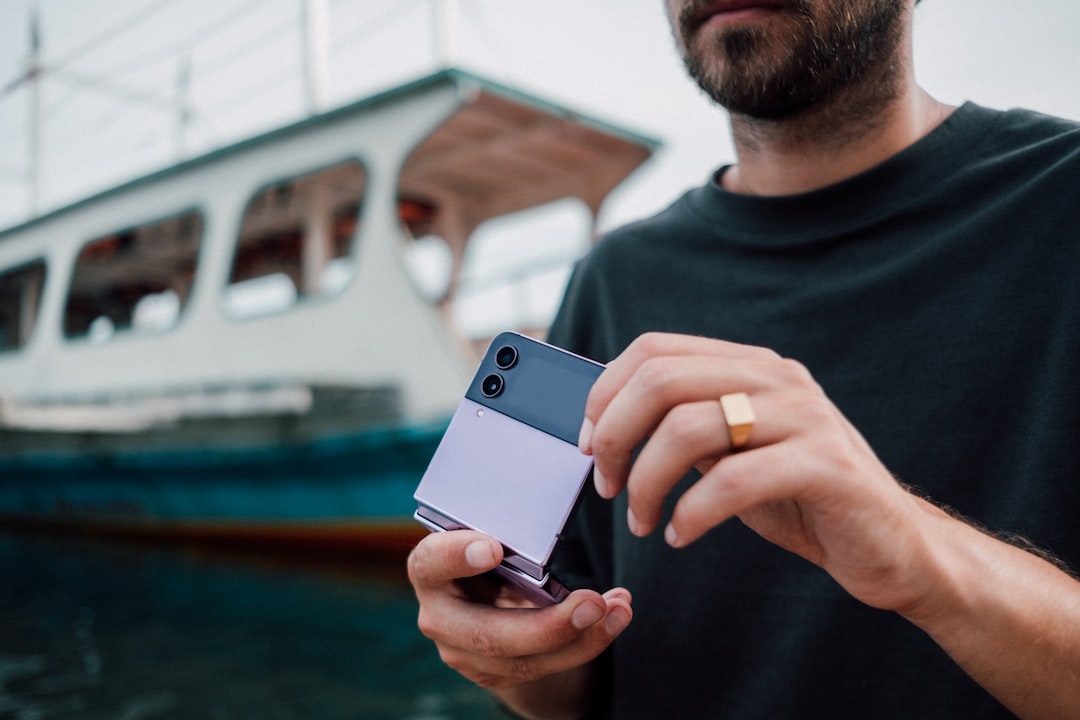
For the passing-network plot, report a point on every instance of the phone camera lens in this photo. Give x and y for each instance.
(492, 386)
(506, 357)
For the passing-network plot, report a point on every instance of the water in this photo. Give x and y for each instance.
(107, 630)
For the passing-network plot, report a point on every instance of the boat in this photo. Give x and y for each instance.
(238, 348)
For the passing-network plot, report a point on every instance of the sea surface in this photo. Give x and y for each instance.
(93, 628)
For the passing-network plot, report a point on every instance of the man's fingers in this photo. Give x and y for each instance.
(689, 434)
(634, 412)
(442, 557)
(502, 646)
(739, 483)
(514, 632)
(495, 664)
(653, 345)
(658, 388)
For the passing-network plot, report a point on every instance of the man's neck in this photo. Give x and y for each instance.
(826, 145)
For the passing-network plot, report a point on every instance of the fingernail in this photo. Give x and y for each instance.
(618, 593)
(601, 483)
(632, 521)
(480, 555)
(671, 536)
(586, 615)
(616, 621)
(584, 441)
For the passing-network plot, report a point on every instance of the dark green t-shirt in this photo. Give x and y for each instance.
(936, 298)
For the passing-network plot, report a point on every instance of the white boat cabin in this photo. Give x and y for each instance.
(243, 281)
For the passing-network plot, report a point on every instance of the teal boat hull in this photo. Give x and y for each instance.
(347, 491)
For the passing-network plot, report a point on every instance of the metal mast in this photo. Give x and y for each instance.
(33, 76)
(316, 54)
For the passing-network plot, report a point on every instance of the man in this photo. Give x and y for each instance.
(889, 282)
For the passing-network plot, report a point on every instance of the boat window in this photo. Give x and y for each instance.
(20, 298)
(135, 280)
(516, 267)
(295, 241)
(428, 258)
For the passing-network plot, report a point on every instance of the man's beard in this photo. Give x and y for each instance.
(758, 72)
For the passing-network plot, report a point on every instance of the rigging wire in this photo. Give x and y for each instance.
(187, 44)
(150, 59)
(110, 34)
(239, 101)
(239, 52)
(376, 23)
(106, 36)
(371, 24)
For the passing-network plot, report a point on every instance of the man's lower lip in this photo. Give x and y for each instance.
(742, 15)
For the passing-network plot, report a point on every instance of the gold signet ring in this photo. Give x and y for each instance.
(739, 416)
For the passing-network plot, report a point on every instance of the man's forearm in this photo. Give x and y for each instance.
(1009, 618)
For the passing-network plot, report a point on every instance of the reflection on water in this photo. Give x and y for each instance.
(94, 629)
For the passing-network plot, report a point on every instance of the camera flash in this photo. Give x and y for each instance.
(479, 413)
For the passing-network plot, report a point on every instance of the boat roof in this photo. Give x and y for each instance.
(502, 151)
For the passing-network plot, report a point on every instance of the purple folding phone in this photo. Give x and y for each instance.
(508, 464)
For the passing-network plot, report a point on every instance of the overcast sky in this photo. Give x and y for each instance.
(107, 104)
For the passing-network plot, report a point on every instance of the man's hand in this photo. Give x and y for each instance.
(806, 480)
(535, 658)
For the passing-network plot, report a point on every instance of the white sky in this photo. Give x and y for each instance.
(108, 112)
(611, 58)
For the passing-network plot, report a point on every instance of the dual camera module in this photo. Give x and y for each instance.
(493, 384)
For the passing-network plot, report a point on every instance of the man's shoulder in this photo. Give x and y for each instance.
(1023, 127)
(1025, 119)
(1019, 151)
